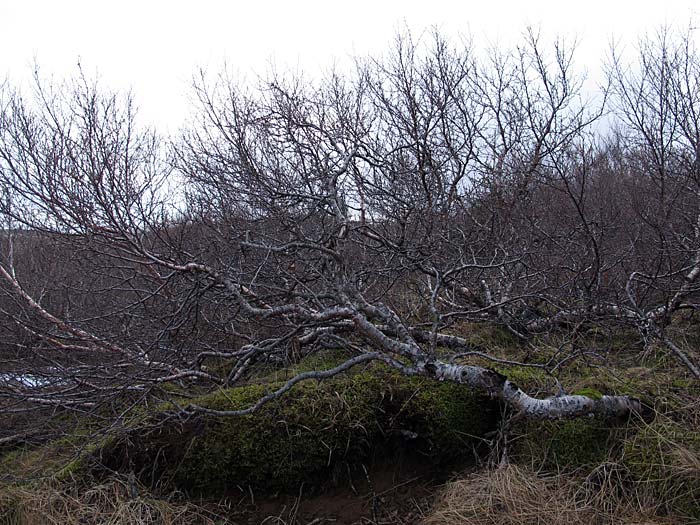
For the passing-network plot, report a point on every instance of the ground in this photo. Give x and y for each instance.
(375, 447)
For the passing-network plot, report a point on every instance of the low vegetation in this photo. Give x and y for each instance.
(327, 435)
(319, 431)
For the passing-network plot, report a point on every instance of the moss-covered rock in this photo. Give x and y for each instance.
(308, 433)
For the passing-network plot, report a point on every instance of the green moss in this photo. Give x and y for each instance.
(530, 379)
(590, 393)
(307, 434)
(278, 446)
(565, 444)
(448, 416)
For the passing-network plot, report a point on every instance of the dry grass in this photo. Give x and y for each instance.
(512, 495)
(687, 462)
(110, 503)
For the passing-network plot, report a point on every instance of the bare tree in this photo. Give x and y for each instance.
(371, 211)
(657, 101)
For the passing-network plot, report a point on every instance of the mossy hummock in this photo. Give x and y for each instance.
(309, 435)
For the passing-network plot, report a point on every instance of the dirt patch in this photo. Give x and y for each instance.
(397, 492)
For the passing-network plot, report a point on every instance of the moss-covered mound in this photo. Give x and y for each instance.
(316, 432)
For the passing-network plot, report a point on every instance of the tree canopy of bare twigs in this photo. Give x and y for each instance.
(377, 210)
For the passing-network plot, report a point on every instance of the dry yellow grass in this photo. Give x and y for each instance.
(512, 495)
(110, 503)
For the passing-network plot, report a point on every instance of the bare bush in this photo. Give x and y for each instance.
(374, 211)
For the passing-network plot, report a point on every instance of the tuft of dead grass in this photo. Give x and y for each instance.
(514, 495)
(111, 503)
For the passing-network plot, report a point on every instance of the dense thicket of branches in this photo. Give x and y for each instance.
(375, 211)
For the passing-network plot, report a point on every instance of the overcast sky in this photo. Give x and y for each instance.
(154, 46)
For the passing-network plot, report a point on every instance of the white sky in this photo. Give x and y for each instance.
(155, 46)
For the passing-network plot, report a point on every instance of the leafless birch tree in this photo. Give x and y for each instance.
(373, 211)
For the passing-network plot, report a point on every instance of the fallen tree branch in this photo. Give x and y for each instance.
(481, 380)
